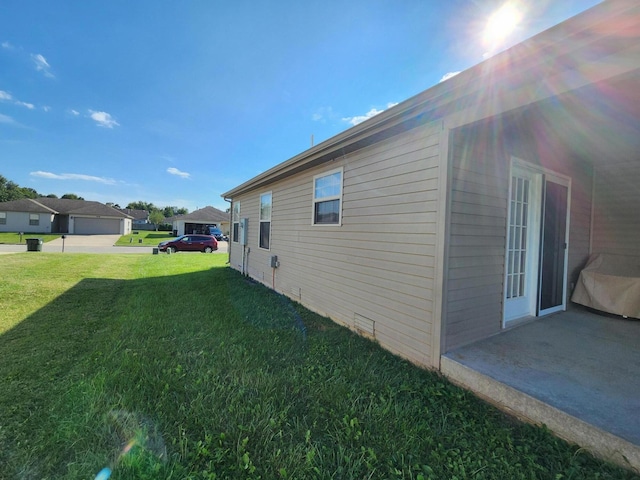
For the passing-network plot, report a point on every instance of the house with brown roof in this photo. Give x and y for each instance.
(139, 217)
(453, 227)
(199, 220)
(59, 215)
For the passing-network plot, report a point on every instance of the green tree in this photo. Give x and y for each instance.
(71, 196)
(28, 192)
(180, 211)
(156, 217)
(140, 205)
(12, 191)
(169, 211)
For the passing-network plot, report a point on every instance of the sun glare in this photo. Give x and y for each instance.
(500, 24)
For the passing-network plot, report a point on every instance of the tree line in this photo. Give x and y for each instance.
(10, 191)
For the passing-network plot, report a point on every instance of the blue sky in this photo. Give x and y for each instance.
(175, 103)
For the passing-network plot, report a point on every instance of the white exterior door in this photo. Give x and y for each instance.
(537, 248)
(523, 239)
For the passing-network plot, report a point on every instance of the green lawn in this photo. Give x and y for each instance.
(14, 238)
(176, 367)
(149, 238)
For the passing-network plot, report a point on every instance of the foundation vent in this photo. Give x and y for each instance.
(364, 326)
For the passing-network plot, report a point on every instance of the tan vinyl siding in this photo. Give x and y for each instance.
(616, 219)
(480, 166)
(378, 266)
(477, 227)
(581, 173)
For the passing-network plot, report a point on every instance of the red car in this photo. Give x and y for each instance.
(190, 243)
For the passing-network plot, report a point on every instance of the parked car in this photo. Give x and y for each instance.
(216, 232)
(190, 243)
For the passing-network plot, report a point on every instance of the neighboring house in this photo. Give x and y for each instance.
(139, 217)
(460, 212)
(198, 221)
(57, 215)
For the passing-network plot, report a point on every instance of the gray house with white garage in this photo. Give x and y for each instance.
(468, 209)
(59, 215)
(199, 220)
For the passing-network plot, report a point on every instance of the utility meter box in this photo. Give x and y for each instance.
(274, 261)
(244, 230)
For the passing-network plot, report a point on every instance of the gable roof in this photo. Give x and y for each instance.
(61, 206)
(28, 205)
(596, 45)
(206, 214)
(135, 214)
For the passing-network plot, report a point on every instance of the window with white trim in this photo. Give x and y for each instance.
(265, 220)
(3, 218)
(327, 198)
(34, 219)
(236, 222)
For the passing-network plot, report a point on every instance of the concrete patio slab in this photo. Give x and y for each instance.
(576, 372)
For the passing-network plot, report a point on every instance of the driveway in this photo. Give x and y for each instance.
(89, 244)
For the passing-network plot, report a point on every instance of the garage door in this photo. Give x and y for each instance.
(96, 226)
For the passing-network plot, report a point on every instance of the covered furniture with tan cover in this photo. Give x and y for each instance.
(610, 283)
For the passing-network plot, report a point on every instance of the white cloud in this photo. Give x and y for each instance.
(46, 108)
(103, 119)
(175, 171)
(7, 46)
(73, 176)
(371, 113)
(449, 75)
(7, 120)
(42, 65)
(74, 112)
(323, 114)
(6, 96)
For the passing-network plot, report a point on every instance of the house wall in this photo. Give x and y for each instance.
(19, 222)
(178, 227)
(375, 272)
(616, 225)
(480, 156)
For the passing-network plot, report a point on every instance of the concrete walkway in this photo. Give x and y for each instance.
(89, 244)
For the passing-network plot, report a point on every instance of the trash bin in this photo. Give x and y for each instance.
(34, 244)
(155, 250)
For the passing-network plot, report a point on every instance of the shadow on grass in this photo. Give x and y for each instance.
(206, 375)
(86, 375)
(159, 235)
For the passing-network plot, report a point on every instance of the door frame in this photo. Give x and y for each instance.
(538, 177)
(565, 181)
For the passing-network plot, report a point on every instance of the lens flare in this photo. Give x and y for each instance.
(137, 435)
(103, 474)
(501, 24)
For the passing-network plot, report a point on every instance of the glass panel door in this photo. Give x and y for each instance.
(517, 249)
(554, 248)
(523, 245)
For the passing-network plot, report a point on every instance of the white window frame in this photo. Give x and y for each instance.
(3, 218)
(327, 198)
(265, 220)
(235, 227)
(34, 219)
